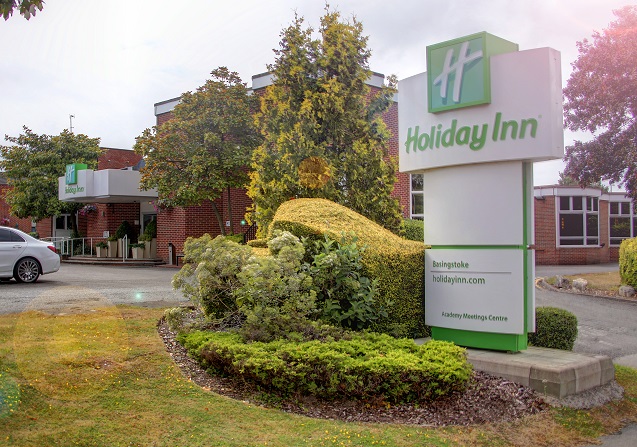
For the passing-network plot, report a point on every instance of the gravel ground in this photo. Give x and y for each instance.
(487, 399)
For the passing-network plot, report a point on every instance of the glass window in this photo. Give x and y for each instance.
(417, 197)
(622, 223)
(578, 221)
(5, 235)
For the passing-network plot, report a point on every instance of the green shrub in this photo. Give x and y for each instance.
(414, 230)
(345, 297)
(369, 366)
(628, 262)
(238, 238)
(150, 230)
(397, 264)
(209, 275)
(125, 229)
(258, 243)
(274, 292)
(554, 328)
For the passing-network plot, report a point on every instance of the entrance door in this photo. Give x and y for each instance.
(62, 226)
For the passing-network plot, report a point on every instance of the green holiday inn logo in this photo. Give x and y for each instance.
(70, 178)
(458, 71)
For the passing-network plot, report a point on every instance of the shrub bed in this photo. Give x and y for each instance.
(369, 366)
(397, 264)
(628, 262)
(554, 328)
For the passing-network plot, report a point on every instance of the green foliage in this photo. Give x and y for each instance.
(27, 8)
(628, 262)
(319, 109)
(609, 112)
(32, 165)
(34, 234)
(554, 328)
(346, 297)
(414, 230)
(368, 366)
(238, 238)
(125, 229)
(396, 263)
(102, 244)
(137, 245)
(205, 147)
(209, 275)
(258, 243)
(275, 292)
(151, 229)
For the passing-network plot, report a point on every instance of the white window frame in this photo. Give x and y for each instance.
(411, 199)
(584, 212)
(631, 216)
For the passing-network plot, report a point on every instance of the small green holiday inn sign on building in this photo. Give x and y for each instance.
(473, 125)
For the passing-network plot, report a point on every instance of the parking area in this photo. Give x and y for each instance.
(74, 285)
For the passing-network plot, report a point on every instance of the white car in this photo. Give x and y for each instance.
(25, 258)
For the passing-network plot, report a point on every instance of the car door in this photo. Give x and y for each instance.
(11, 248)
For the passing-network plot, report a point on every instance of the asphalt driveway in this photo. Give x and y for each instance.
(79, 285)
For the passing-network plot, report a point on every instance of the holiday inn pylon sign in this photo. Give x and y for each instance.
(472, 125)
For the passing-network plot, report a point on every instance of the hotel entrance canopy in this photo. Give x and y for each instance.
(105, 186)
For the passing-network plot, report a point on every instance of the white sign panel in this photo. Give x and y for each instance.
(522, 122)
(475, 204)
(476, 290)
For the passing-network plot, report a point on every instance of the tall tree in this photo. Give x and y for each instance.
(27, 8)
(205, 148)
(323, 131)
(32, 165)
(601, 98)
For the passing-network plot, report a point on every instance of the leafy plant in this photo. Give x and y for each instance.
(151, 229)
(209, 275)
(101, 244)
(125, 229)
(414, 229)
(345, 296)
(628, 262)
(137, 245)
(554, 328)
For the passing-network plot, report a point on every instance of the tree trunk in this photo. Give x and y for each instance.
(219, 219)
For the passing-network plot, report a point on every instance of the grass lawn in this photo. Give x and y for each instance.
(605, 282)
(103, 378)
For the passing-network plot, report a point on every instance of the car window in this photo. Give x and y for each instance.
(15, 237)
(9, 236)
(5, 235)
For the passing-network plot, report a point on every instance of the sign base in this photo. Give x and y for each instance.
(481, 340)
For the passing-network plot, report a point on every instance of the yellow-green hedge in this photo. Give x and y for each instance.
(398, 264)
(628, 262)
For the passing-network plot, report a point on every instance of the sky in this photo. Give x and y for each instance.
(108, 62)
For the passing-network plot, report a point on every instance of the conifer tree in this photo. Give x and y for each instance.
(323, 131)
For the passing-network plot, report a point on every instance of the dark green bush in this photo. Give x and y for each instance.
(369, 366)
(414, 230)
(554, 328)
(628, 262)
(125, 229)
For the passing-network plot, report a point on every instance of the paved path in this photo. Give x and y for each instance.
(145, 286)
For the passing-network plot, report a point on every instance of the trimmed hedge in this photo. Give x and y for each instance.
(369, 366)
(397, 264)
(414, 230)
(554, 328)
(628, 262)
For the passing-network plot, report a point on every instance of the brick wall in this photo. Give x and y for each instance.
(117, 159)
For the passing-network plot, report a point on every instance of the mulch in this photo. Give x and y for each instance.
(487, 399)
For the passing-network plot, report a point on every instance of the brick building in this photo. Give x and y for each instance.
(581, 226)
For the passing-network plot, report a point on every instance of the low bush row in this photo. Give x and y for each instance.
(367, 366)
(628, 262)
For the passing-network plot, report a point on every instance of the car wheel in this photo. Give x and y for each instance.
(27, 270)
